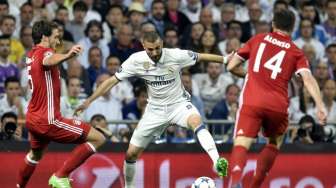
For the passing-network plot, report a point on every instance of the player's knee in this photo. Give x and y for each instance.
(100, 139)
(132, 155)
(276, 141)
(243, 141)
(194, 121)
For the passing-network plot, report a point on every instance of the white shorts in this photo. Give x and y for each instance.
(156, 119)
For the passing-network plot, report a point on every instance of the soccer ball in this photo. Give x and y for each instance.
(203, 182)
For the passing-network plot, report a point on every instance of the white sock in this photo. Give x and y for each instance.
(208, 144)
(129, 173)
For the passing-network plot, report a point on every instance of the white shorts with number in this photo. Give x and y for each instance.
(156, 119)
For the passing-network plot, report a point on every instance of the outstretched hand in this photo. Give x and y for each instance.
(81, 108)
(228, 57)
(322, 115)
(75, 50)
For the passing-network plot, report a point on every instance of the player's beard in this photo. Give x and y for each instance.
(156, 58)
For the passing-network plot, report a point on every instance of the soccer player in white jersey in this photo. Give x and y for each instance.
(168, 102)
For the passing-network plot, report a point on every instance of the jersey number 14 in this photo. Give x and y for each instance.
(272, 64)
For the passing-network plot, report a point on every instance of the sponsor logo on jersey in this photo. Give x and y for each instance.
(159, 83)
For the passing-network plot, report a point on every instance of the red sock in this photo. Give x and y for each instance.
(264, 164)
(26, 171)
(237, 163)
(78, 157)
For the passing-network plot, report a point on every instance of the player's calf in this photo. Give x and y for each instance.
(28, 167)
(208, 144)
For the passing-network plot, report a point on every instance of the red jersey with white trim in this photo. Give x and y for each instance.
(273, 58)
(44, 81)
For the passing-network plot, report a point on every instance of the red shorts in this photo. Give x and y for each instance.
(62, 131)
(250, 119)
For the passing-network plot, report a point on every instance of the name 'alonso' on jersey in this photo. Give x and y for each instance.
(162, 78)
(273, 58)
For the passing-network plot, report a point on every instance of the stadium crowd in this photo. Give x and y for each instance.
(110, 31)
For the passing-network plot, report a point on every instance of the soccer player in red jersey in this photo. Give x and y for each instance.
(43, 119)
(273, 58)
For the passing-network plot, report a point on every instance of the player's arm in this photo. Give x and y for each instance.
(102, 89)
(235, 66)
(311, 84)
(204, 57)
(55, 59)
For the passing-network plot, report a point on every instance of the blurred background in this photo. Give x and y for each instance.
(110, 31)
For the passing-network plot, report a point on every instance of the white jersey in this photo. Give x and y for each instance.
(162, 78)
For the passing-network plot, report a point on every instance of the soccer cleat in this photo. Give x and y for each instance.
(56, 182)
(222, 167)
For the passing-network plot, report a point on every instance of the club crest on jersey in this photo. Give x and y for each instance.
(76, 122)
(146, 65)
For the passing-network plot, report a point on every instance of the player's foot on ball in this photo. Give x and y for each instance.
(56, 182)
(222, 167)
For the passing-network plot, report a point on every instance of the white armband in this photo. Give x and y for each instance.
(225, 60)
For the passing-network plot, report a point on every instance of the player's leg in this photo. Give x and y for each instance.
(266, 160)
(83, 151)
(132, 154)
(73, 131)
(246, 129)
(238, 158)
(208, 144)
(150, 125)
(31, 160)
(186, 115)
(274, 129)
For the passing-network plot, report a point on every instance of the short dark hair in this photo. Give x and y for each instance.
(61, 7)
(25, 4)
(7, 17)
(170, 28)
(9, 115)
(284, 20)
(280, 2)
(4, 2)
(5, 37)
(331, 45)
(80, 6)
(23, 28)
(93, 23)
(156, 2)
(98, 116)
(151, 36)
(11, 79)
(116, 6)
(139, 89)
(308, 4)
(42, 28)
(232, 22)
(113, 56)
(231, 86)
(95, 48)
